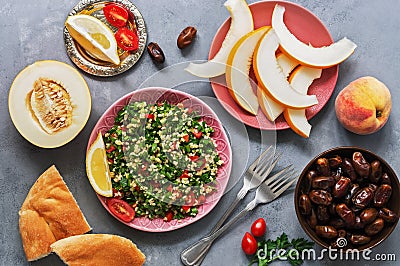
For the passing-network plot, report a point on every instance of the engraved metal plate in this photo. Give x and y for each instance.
(88, 63)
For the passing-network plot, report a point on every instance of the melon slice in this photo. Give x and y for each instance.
(238, 69)
(271, 77)
(321, 57)
(301, 79)
(241, 24)
(270, 108)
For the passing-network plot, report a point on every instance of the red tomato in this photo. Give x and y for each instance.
(121, 209)
(249, 244)
(168, 216)
(194, 158)
(150, 116)
(197, 133)
(127, 39)
(186, 138)
(185, 174)
(116, 15)
(259, 227)
(186, 208)
(112, 148)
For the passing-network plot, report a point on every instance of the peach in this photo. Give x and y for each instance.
(363, 107)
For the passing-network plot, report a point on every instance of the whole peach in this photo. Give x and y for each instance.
(363, 107)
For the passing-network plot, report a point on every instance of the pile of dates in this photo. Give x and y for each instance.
(347, 198)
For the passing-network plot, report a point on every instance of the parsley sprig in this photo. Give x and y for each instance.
(282, 249)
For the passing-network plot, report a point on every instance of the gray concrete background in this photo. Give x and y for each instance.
(32, 30)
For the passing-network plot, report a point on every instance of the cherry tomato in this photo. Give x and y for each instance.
(249, 244)
(116, 15)
(127, 39)
(197, 133)
(121, 209)
(259, 227)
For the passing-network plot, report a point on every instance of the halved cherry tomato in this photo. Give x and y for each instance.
(116, 15)
(121, 209)
(249, 244)
(127, 39)
(197, 133)
(259, 227)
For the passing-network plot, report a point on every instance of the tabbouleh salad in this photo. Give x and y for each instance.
(162, 158)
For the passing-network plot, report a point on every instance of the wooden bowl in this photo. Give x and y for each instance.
(393, 204)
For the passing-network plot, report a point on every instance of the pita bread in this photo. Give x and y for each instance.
(49, 213)
(98, 249)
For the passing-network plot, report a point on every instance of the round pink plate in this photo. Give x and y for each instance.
(306, 27)
(155, 95)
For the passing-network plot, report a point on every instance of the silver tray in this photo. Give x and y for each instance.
(96, 67)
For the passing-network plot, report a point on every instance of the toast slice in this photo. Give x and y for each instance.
(49, 213)
(98, 249)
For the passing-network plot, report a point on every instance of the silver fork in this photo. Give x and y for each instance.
(268, 191)
(254, 176)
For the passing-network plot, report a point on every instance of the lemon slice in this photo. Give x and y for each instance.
(97, 168)
(94, 36)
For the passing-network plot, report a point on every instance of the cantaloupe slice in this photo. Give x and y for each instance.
(238, 69)
(270, 108)
(241, 24)
(301, 79)
(321, 57)
(271, 78)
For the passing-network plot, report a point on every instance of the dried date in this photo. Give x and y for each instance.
(375, 227)
(155, 52)
(186, 37)
(388, 215)
(320, 197)
(382, 195)
(341, 187)
(326, 231)
(361, 166)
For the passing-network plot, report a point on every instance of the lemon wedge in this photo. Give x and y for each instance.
(94, 36)
(97, 168)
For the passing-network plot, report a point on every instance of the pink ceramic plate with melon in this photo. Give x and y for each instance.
(306, 27)
(159, 95)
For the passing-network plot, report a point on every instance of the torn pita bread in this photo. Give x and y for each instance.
(98, 249)
(49, 213)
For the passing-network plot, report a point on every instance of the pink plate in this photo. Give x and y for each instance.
(153, 95)
(306, 27)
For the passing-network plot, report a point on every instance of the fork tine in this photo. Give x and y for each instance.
(266, 168)
(280, 180)
(272, 178)
(280, 191)
(256, 162)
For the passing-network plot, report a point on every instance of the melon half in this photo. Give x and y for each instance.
(241, 24)
(238, 69)
(322, 57)
(271, 77)
(301, 79)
